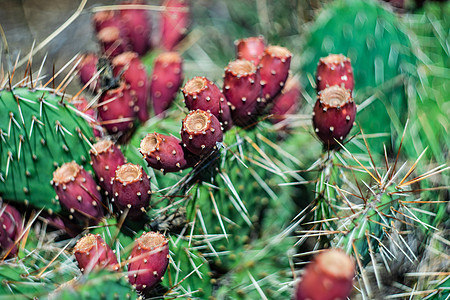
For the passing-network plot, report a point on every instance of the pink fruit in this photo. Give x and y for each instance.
(77, 192)
(200, 133)
(137, 27)
(251, 48)
(112, 41)
(116, 109)
(133, 72)
(166, 80)
(148, 261)
(200, 93)
(274, 69)
(287, 102)
(87, 69)
(131, 189)
(163, 152)
(92, 252)
(174, 22)
(104, 19)
(335, 69)
(89, 114)
(334, 114)
(11, 228)
(243, 91)
(328, 277)
(105, 158)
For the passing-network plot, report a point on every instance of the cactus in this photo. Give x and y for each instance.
(92, 252)
(250, 49)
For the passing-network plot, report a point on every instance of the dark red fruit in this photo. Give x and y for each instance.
(11, 228)
(89, 114)
(200, 133)
(148, 261)
(335, 69)
(92, 252)
(287, 102)
(334, 114)
(274, 69)
(166, 80)
(105, 158)
(163, 152)
(174, 22)
(116, 109)
(251, 48)
(131, 189)
(137, 27)
(133, 72)
(103, 19)
(112, 41)
(328, 277)
(200, 93)
(243, 91)
(87, 69)
(77, 192)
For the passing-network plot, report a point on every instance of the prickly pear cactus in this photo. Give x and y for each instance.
(39, 132)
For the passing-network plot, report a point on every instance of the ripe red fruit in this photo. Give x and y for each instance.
(274, 70)
(243, 91)
(328, 277)
(77, 192)
(334, 114)
(166, 80)
(11, 228)
(174, 22)
(131, 189)
(104, 19)
(201, 93)
(137, 27)
(287, 102)
(200, 133)
(89, 114)
(335, 69)
(148, 261)
(105, 158)
(87, 69)
(251, 48)
(92, 252)
(133, 72)
(112, 41)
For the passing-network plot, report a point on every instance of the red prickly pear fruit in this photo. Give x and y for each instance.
(329, 276)
(163, 152)
(103, 19)
(92, 252)
(87, 69)
(137, 27)
(133, 72)
(77, 192)
(334, 114)
(274, 68)
(116, 109)
(200, 133)
(243, 91)
(148, 261)
(335, 69)
(111, 40)
(89, 114)
(251, 48)
(166, 80)
(174, 22)
(131, 189)
(11, 228)
(201, 93)
(105, 158)
(287, 102)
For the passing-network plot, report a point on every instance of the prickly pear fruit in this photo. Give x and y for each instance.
(103, 19)
(201, 131)
(111, 40)
(251, 48)
(163, 152)
(243, 91)
(92, 252)
(105, 158)
(89, 114)
(335, 69)
(116, 109)
(137, 27)
(11, 227)
(201, 93)
(174, 22)
(274, 70)
(334, 114)
(133, 72)
(77, 191)
(87, 69)
(148, 261)
(287, 102)
(131, 189)
(329, 276)
(166, 80)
